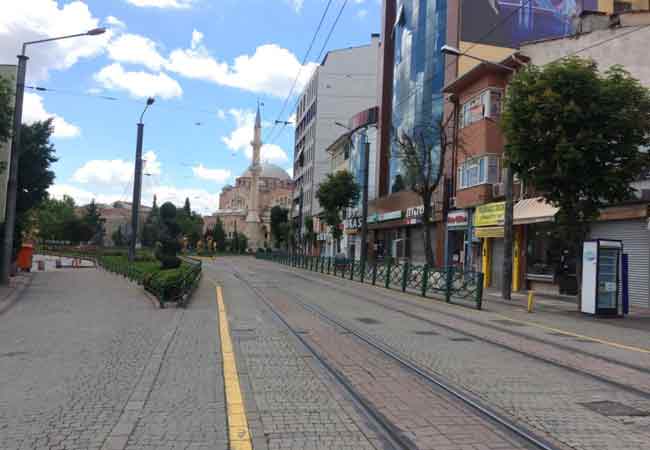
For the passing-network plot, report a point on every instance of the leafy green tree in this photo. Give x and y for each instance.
(187, 208)
(151, 228)
(219, 235)
(119, 240)
(51, 218)
(421, 154)
(338, 192)
(279, 225)
(309, 235)
(6, 109)
(35, 175)
(95, 223)
(168, 246)
(575, 134)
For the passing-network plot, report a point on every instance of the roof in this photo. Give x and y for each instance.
(477, 72)
(269, 171)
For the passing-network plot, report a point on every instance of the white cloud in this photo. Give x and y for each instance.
(136, 49)
(29, 20)
(81, 196)
(34, 111)
(201, 200)
(115, 171)
(270, 70)
(240, 138)
(139, 84)
(289, 171)
(115, 22)
(362, 13)
(221, 114)
(296, 4)
(217, 175)
(163, 4)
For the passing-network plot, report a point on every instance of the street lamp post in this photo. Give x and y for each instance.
(508, 218)
(12, 185)
(137, 184)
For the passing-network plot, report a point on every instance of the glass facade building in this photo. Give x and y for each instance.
(419, 74)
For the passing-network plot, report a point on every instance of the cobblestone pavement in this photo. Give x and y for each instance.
(290, 402)
(549, 398)
(84, 356)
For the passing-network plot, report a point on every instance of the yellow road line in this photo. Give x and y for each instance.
(576, 335)
(238, 432)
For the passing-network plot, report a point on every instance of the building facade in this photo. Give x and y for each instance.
(342, 85)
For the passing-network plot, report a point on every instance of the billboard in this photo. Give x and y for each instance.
(7, 72)
(508, 23)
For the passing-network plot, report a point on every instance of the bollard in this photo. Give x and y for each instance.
(352, 270)
(531, 301)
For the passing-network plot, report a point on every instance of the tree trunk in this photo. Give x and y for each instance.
(426, 228)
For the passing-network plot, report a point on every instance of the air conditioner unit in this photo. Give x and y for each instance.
(498, 190)
(452, 202)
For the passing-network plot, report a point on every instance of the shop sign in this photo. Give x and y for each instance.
(457, 219)
(393, 215)
(490, 214)
(324, 236)
(415, 212)
(352, 223)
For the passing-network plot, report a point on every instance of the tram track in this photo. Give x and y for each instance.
(645, 394)
(524, 436)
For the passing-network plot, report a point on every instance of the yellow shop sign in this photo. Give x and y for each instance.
(490, 214)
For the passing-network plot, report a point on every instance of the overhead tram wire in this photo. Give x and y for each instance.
(320, 54)
(304, 60)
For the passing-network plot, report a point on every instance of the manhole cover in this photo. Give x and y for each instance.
(368, 320)
(426, 333)
(614, 409)
(461, 339)
(509, 323)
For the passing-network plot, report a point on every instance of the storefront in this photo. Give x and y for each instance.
(458, 239)
(488, 226)
(390, 235)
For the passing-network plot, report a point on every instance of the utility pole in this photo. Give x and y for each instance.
(12, 184)
(364, 205)
(137, 184)
(508, 219)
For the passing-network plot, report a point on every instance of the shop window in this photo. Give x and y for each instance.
(548, 256)
(486, 104)
(477, 171)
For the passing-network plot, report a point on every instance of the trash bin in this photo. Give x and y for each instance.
(25, 255)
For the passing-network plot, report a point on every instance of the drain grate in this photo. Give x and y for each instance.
(508, 323)
(426, 333)
(610, 408)
(368, 320)
(461, 339)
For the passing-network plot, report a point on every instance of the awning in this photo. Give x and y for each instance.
(533, 210)
(488, 232)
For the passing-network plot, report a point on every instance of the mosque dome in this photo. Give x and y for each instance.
(269, 171)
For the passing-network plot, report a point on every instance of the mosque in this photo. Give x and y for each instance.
(246, 206)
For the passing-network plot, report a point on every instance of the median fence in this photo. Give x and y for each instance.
(449, 283)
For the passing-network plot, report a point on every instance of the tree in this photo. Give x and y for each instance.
(219, 235)
(338, 192)
(52, 217)
(169, 245)
(94, 223)
(279, 225)
(151, 228)
(34, 177)
(574, 134)
(6, 109)
(422, 153)
(187, 208)
(309, 235)
(119, 240)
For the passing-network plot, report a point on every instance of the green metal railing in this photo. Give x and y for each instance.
(449, 283)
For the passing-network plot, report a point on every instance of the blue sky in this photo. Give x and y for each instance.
(207, 62)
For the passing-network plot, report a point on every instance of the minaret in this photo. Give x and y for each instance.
(253, 217)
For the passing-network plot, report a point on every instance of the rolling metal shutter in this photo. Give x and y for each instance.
(497, 263)
(636, 243)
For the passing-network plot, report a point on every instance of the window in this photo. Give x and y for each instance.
(476, 171)
(486, 104)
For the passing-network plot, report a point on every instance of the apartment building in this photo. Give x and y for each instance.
(343, 84)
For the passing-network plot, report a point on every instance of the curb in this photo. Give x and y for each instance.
(15, 295)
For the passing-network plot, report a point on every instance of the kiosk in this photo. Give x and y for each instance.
(602, 277)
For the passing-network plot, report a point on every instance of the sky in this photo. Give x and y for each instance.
(206, 62)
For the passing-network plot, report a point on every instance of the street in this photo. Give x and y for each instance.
(88, 362)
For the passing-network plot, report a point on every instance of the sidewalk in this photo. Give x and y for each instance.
(563, 314)
(10, 294)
